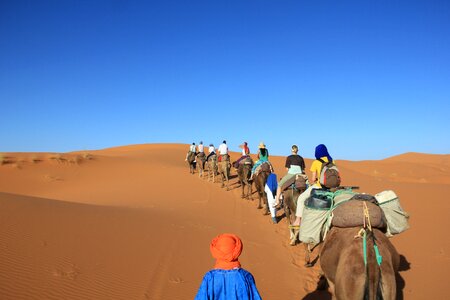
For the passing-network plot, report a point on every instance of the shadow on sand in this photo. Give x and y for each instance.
(405, 265)
(322, 293)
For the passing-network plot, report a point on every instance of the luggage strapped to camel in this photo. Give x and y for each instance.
(344, 208)
(396, 217)
(298, 181)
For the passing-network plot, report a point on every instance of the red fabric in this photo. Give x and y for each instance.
(226, 248)
(247, 150)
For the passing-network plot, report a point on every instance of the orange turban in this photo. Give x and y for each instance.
(226, 248)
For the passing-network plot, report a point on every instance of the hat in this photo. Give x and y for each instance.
(261, 145)
(226, 248)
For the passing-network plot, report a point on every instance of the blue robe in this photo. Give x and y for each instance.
(236, 284)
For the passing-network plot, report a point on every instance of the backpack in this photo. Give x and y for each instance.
(329, 175)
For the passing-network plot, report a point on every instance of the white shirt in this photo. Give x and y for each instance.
(223, 149)
(200, 148)
(192, 148)
(211, 149)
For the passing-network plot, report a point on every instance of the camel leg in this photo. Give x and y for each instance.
(227, 175)
(294, 233)
(308, 252)
(259, 201)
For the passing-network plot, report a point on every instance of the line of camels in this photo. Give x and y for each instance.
(342, 258)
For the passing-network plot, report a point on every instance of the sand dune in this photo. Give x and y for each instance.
(132, 223)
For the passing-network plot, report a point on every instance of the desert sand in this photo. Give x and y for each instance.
(132, 223)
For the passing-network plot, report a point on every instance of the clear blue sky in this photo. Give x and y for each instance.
(370, 79)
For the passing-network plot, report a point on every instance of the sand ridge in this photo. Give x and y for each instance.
(132, 223)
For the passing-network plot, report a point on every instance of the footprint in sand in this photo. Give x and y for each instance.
(70, 272)
(176, 280)
(51, 178)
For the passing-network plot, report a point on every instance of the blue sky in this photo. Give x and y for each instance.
(370, 79)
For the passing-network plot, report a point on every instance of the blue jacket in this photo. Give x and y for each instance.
(236, 284)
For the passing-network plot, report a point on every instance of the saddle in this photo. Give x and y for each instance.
(297, 182)
(224, 157)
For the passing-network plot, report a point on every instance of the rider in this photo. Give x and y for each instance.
(192, 149)
(201, 148)
(245, 153)
(211, 150)
(223, 150)
(321, 153)
(294, 165)
(263, 156)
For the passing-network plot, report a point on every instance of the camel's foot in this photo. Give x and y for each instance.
(294, 233)
(259, 207)
(265, 212)
(243, 196)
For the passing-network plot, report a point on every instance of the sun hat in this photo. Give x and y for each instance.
(261, 145)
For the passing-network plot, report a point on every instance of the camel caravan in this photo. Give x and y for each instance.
(345, 231)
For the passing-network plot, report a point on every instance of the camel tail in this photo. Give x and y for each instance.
(373, 284)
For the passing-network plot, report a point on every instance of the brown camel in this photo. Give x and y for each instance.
(260, 181)
(244, 171)
(290, 197)
(212, 167)
(201, 159)
(342, 261)
(191, 161)
(224, 169)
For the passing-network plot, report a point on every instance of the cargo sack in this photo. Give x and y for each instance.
(313, 225)
(342, 196)
(315, 215)
(351, 214)
(320, 199)
(329, 175)
(301, 182)
(396, 217)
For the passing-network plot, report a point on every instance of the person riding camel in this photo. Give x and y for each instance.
(228, 280)
(223, 151)
(322, 155)
(200, 147)
(262, 156)
(294, 165)
(245, 154)
(211, 151)
(192, 149)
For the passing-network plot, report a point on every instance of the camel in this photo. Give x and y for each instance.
(224, 170)
(260, 181)
(244, 172)
(201, 159)
(191, 161)
(212, 167)
(342, 261)
(290, 197)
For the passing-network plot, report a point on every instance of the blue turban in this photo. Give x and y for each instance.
(322, 151)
